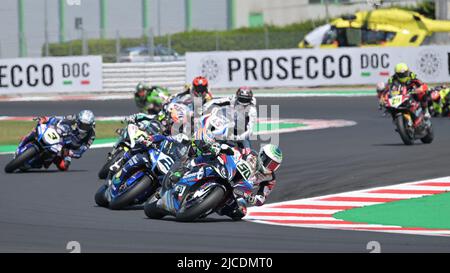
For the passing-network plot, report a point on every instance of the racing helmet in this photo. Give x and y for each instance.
(269, 158)
(141, 92)
(200, 86)
(435, 95)
(402, 72)
(85, 121)
(244, 96)
(381, 86)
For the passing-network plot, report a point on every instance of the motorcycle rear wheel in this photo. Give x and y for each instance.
(20, 160)
(402, 130)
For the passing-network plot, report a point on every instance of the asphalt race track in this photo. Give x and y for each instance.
(43, 210)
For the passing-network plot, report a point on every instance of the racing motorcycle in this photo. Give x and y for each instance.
(140, 185)
(203, 190)
(439, 102)
(408, 116)
(127, 140)
(47, 145)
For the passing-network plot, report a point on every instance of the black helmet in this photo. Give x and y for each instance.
(244, 95)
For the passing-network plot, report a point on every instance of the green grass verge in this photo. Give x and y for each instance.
(425, 212)
(12, 131)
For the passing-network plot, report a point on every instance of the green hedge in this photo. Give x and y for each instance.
(272, 37)
(237, 39)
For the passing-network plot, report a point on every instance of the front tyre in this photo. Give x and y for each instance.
(152, 210)
(429, 137)
(403, 131)
(127, 198)
(103, 173)
(211, 201)
(100, 197)
(21, 159)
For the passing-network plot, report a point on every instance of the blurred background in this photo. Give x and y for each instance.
(163, 30)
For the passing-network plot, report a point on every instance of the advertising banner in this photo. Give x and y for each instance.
(316, 67)
(52, 74)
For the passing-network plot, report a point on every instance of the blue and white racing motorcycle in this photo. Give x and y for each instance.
(49, 141)
(202, 190)
(139, 186)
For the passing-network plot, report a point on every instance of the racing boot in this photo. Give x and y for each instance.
(236, 209)
(63, 163)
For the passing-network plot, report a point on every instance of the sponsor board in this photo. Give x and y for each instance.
(314, 67)
(52, 74)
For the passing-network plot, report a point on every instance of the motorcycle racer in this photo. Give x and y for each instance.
(149, 99)
(199, 89)
(243, 107)
(256, 190)
(138, 157)
(140, 95)
(146, 122)
(403, 76)
(80, 131)
(251, 192)
(381, 90)
(439, 97)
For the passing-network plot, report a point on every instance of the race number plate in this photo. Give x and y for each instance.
(51, 137)
(395, 101)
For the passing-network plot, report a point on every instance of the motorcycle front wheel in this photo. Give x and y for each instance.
(103, 173)
(100, 197)
(403, 131)
(152, 211)
(209, 202)
(429, 137)
(127, 198)
(21, 159)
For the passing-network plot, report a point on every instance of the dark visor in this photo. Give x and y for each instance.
(84, 127)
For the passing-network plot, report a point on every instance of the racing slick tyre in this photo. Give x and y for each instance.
(21, 159)
(402, 130)
(103, 173)
(100, 197)
(211, 201)
(428, 138)
(129, 196)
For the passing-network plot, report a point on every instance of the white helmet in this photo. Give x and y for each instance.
(269, 158)
(85, 120)
(381, 86)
